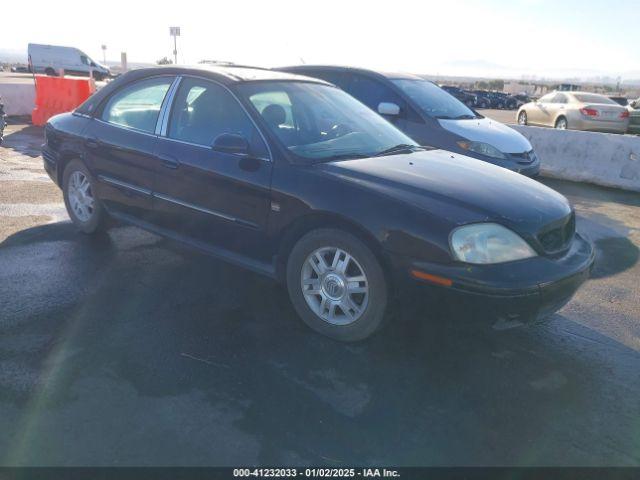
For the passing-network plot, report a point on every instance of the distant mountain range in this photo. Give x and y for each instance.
(471, 69)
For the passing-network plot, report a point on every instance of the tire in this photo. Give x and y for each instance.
(87, 219)
(522, 118)
(561, 123)
(325, 285)
(50, 71)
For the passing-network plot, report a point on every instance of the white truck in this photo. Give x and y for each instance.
(50, 59)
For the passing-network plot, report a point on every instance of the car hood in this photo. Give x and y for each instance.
(457, 188)
(489, 131)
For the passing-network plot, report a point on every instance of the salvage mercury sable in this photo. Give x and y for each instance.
(293, 178)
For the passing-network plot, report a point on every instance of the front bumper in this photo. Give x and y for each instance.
(513, 292)
(50, 161)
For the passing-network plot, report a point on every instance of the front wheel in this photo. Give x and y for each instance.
(337, 285)
(522, 118)
(84, 209)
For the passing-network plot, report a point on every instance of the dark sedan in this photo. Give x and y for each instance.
(295, 179)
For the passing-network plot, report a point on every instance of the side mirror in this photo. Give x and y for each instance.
(388, 108)
(231, 143)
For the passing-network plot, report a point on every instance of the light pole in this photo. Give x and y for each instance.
(104, 54)
(175, 32)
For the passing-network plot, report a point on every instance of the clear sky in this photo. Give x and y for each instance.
(546, 38)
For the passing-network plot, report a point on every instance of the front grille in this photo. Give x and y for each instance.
(558, 238)
(524, 157)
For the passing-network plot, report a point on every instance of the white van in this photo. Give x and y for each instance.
(50, 59)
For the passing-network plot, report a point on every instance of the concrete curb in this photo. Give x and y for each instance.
(599, 158)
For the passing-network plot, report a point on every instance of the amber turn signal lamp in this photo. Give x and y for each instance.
(445, 282)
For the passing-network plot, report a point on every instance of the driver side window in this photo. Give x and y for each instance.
(372, 93)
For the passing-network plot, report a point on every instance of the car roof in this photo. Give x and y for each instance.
(364, 71)
(226, 74)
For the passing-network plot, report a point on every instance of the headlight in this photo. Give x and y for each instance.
(488, 243)
(482, 149)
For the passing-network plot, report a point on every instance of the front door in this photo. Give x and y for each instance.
(218, 198)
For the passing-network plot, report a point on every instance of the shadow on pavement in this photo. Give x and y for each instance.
(27, 140)
(123, 347)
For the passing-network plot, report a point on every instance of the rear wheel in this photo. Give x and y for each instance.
(337, 285)
(522, 118)
(561, 123)
(84, 209)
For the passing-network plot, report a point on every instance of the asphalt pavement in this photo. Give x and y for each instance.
(123, 349)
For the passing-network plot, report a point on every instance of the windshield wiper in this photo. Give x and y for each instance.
(466, 116)
(400, 148)
(443, 117)
(343, 156)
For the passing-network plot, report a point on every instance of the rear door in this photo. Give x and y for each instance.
(120, 144)
(557, 108)
(218, 198)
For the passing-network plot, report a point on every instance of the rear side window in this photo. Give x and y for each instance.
(203, 110)
(593, 98)
(138, 105)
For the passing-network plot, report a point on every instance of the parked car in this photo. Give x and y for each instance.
(469, 99)
(431, 116)
(521, 99)
(620, 100)
(295, 179)
(634, 117)
(50, 59)
(508, 102)
(576, 111)
(500, 100)
(20, 69)
(482, 99)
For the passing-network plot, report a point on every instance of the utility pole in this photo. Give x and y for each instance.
(175, 33)
(104, 54)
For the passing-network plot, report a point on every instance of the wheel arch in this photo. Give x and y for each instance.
(63, 160)
(558, 117)
(316, 220)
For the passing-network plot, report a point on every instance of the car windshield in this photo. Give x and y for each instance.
(322, 123)
(593, 98)
(433, 100)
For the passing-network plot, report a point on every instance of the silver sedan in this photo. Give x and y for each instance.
(576, 111)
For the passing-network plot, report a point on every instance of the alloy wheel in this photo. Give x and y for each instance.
(334, 285)
(80, 196)
(522, 118)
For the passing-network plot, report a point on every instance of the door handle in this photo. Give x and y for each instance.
(92, 142)
(169, 162)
